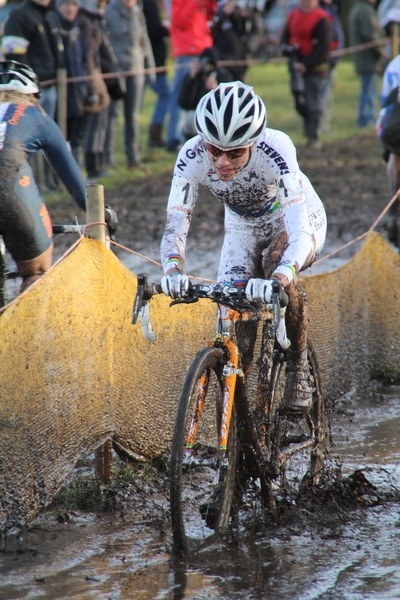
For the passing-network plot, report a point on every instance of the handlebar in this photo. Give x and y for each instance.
(227, 295)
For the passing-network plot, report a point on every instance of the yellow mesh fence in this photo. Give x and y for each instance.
(74, 372)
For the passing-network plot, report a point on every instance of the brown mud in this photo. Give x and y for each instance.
(114, 541)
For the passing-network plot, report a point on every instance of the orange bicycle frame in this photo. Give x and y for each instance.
(230, 373)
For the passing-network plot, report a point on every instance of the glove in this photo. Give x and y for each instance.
(175, 285)
(259, 290)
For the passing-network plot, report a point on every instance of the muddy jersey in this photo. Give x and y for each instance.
(270, 194)
(24, 221)
(25, 129)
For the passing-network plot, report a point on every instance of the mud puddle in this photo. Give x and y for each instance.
(318, 551)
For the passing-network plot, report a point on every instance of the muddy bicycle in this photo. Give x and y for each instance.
(6, 274)
(232, 449)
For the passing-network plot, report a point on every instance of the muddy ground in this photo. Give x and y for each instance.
(114, 542)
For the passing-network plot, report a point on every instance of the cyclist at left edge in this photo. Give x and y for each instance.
(25, 129)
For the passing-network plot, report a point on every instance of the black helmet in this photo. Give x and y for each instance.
(18, 77)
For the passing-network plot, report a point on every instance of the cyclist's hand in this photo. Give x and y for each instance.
(259, 290)
(175, 285)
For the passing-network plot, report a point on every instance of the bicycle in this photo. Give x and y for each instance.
(232, 448)
(111, 220)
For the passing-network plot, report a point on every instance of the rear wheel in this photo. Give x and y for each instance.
(201, 479)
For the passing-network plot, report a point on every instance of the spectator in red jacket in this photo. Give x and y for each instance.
(307, 40)
(190, 34)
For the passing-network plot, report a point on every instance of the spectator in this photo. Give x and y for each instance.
(31, 36)
(157, 34)
(364, 27)
(389, 17)
(232, 26)
(190, 35)
(90, 21)
(128, 35)
(328, 82)
(204, 76)
(307, 37)
(75, 61)
(388, 130)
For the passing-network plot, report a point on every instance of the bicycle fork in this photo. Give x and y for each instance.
(230, 373)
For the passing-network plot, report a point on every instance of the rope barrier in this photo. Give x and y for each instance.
(222, 63)
(363, 235)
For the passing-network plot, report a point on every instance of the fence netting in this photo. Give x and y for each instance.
(75, 372)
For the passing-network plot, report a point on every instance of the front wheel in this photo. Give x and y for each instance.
(201, 479)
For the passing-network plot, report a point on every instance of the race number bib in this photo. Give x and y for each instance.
(183, 195)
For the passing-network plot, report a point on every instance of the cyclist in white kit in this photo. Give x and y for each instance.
(275, 223)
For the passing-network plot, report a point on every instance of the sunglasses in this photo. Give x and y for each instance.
(231, 154)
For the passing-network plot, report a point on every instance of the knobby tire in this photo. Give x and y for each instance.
(190, 490)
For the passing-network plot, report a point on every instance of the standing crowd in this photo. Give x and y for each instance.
(121, 46)
(130, 39)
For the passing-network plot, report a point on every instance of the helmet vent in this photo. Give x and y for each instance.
(240, 132)
(211, 127)
(217, 100)
(228, 114)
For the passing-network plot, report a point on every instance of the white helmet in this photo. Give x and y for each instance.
(231, 116)
(18, 77)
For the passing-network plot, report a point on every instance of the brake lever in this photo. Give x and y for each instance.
(276, 305)
(279, 302)
(143, 295)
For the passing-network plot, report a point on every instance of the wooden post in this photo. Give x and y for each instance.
(95, 211)
(95, 214)
(62, 100)
(103, 462)
(394, 39)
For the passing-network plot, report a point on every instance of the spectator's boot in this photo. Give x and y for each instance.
(297, 397)
(155, 139)
(311, 133)
(32, 269)
(91, 165)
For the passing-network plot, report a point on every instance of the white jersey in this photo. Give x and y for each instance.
(270, 194)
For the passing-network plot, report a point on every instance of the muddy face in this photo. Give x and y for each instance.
(225, 167)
